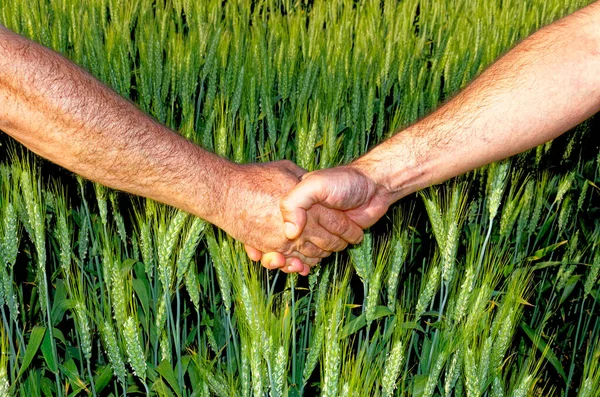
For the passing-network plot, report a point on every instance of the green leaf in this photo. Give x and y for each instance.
(59, 308)
(151, 373)
(37, 335)
(382, 311)
(359, 322)
(194, 374)
(539, 254)
(191, 337)
(420, 381)
(412, 325)
(161, 389)
(165, 370)
(508, 269)
(185, 363)
(391, 326)
(76, 392)
(127, 264)
(569, 287)
(47, 387)
(59, 305)
(220, 331)
(142, 292)
(437, 325)
(545, 264)
(353, 326)
(543, 347)
(105, 375)
(47, 353)
(70, 370)
(57, 334)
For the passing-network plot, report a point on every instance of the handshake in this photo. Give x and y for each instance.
(290, 219)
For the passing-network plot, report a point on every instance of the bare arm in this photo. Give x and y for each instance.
(544, 86)
(65, 115)
(62, 113)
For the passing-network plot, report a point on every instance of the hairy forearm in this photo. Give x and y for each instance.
(62, 113)
(544, 86)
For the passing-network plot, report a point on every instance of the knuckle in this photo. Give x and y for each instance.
(311, 261)
(314, 179)
(324, 254)
(320, 181)
(342, 246)
(310, 250)
(351, 232)
(289, 249)
(358, 238)
(335, 244)
(286, 205)
(334, 221)
(340, 225)
(295, 254)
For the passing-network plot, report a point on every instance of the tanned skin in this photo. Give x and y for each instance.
(62, 113)
(546, 85)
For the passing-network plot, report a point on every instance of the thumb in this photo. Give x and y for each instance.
(290, 166)
(310, 191)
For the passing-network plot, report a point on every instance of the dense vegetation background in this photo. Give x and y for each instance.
(487, 285)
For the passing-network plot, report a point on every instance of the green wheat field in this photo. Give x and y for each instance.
(484, 286)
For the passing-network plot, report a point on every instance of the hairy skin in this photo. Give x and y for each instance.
(62, 113)
(546, 85)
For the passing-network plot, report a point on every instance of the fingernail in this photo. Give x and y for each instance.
(290, 229)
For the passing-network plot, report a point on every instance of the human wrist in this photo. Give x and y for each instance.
(212, 200)
(379, 186)
(398, 166)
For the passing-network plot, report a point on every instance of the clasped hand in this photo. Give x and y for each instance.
(290, 219)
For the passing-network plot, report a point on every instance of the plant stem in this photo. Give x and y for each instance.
(13, 354)
(293, 331)
(89, 369)
(177, 338)
(15, 320)
(574, 353)
(50, 333)
(483, 248)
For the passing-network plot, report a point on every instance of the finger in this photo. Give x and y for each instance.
(293, 265)
(253, 253)
(339, 224)
(305, 271)
(298, 200)
(308, 249)
(320, 237)
(310, 261)
(293, 168)
(273, 260)
(329, 244)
